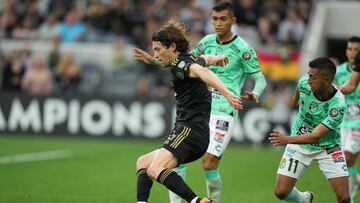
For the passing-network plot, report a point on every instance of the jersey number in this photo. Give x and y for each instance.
(296, 162)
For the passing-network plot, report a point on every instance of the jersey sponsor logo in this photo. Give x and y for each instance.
(218, 148)
(290, 152)
(305, 91)
(303, 130)
(344, 167)
(222, 109)
(313, 106)
(246, 56)
(219, 137)
(218, 51)
(331, 123)
(333, 149)
(282, 163)
(326, 107)
(334, 112)
(338, 157)
(222, 125)
(180, 74)
(181, 65)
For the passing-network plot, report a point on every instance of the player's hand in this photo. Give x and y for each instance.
(278, 139)
(142, 55)
(250, 96)
(221, 60)
(235, 102)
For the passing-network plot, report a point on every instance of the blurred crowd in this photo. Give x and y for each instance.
(268, 25)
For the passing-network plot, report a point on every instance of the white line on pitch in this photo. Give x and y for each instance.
(36, 156)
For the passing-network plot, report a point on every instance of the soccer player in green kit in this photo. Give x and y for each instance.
(352, 83)
(350, 129)
(315, 135)
(242, 61)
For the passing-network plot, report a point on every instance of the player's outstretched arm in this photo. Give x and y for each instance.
(221, 60)
(144, 56)
(259, 87)
(278, 139)
(197, 71)
(351, 84)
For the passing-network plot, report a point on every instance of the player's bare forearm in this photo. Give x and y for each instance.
(278, 139)
(215, 60)
(351, 84)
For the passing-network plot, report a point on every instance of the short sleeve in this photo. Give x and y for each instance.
(183, 63)
(334, 117)
(249, 60)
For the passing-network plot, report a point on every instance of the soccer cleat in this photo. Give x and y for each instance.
(310, 196)
(204, 200)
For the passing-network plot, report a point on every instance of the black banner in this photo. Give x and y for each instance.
(111, 117)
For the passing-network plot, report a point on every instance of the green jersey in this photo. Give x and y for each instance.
(352, 117)
(312, 112)
(242, 61)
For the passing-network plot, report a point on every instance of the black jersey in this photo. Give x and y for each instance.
(193, 99)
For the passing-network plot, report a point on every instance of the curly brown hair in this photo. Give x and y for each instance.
(173, 32)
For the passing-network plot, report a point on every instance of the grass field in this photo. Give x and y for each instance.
(103, 170)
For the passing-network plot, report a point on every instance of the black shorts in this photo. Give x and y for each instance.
(188, 142)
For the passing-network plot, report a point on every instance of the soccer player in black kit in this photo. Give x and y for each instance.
(189, 139)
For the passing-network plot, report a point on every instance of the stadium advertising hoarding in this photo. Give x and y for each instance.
(109, 117)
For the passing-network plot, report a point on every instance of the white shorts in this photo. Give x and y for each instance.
(221, 127)
(296, 159)
(350, 139)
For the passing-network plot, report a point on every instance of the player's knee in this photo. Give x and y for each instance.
(153, 172)
(281, 194)
(210, 163)
(141, 163)
(343, 198)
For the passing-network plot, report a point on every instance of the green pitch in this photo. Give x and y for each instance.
(103, 171)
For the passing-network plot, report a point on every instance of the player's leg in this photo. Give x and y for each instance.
(221, 127)
(291, 168)
(161, 170)
(341, 189)
(187, 143)
(144, 182)
(332, 164)
(181, 171)
(351, 146)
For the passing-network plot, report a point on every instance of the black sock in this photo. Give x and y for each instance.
(144, 184)
(176, 184)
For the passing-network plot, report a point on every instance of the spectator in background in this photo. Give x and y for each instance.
(68, 75)
(54, 55)
(72, 29)
(246, 12)
(265, 38)
(7, 24)
(291, 29)
(50, 29)
(37, 79)
(121, 54)
(13, 73)
(25, 30)
(280, 106)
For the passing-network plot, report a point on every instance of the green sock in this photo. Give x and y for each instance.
(293, 196)
(353, 183)
(213, 185)
(296, 196)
